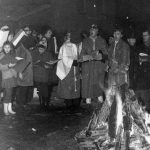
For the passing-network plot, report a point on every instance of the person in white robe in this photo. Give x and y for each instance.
(68, 73)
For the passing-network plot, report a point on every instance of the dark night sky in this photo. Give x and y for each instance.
(75, 14)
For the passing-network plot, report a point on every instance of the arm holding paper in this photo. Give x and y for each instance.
(94, 56)
(143, 57)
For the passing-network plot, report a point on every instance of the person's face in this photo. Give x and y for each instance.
(132, 41)
(48, 34)
(67, 37)
(117, 35)
(43, 42)
(7, 49)
(146, 36)
(93, 32)
(41, 50)
(10, 37)
(27, 31)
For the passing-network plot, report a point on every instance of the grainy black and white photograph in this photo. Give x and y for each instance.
(74, 74)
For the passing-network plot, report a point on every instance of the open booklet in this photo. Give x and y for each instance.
(51, 62)
(90, 58)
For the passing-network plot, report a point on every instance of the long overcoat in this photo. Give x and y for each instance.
(93, 72)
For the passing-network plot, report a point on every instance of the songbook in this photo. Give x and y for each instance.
(3, 37)
(52, 62)
(41, 63)
(143, 57)
(143, 54)
(90, 58)
(18, 37)
(19, 58)
(85, 58)
(38, 63)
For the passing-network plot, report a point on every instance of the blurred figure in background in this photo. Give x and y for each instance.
(110, 40)
(143, 73)
(133, 60)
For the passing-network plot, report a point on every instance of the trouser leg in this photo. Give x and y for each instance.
(30, 90)
(21, 95)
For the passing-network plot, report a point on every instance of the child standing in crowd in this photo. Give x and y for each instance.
(7, 62)
(41, 73)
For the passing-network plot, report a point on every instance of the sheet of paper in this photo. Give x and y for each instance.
(19, 58)
(18, 37)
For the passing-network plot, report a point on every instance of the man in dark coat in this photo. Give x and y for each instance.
(143, 76)
(94, 49)
(119, 60)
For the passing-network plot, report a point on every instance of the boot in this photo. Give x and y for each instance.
(10, 109)
(6, 109)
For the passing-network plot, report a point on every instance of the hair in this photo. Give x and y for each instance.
(118, 29)
(66, 36)
(27, 26)
(131, 36)
(146, 30)
(46, 28)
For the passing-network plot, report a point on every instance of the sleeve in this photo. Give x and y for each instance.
(104, 51)
(56, 47)
(75, 50)
(126, 56)
(60, 55)
(22, 64)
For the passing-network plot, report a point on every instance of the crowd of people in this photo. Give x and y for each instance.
(79, 70)
(24, 66)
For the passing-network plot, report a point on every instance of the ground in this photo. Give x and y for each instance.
(33, 129)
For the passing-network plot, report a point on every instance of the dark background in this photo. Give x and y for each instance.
(75, 15)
